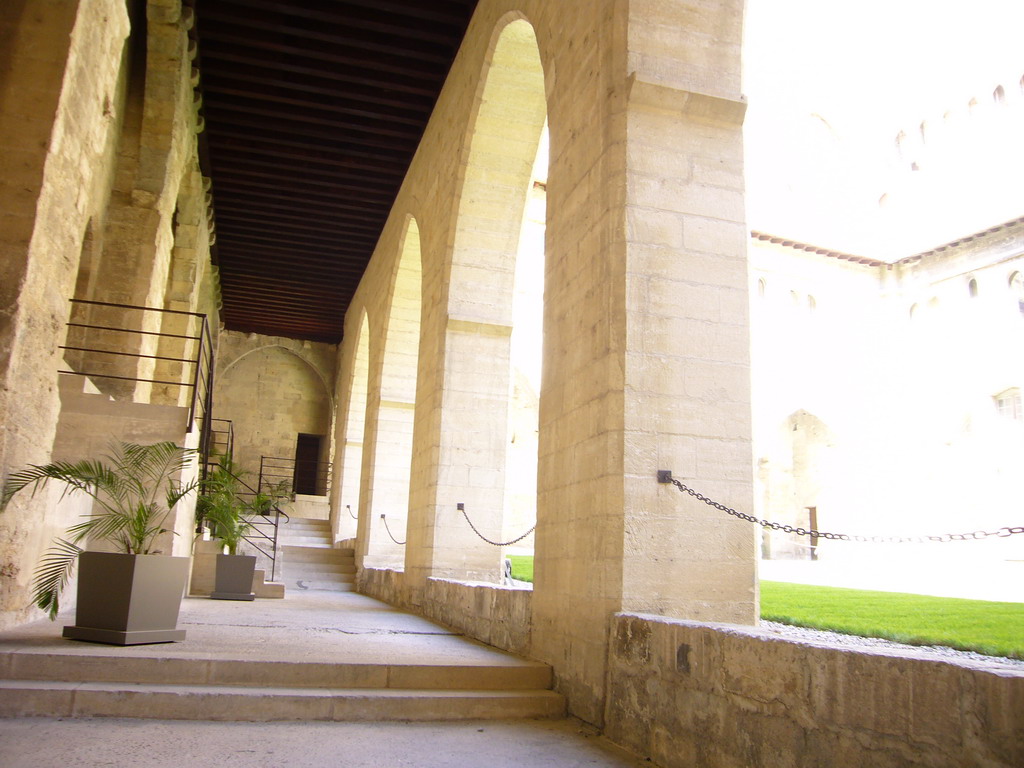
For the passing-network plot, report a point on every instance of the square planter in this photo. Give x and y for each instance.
(234, 577)
(129, 599)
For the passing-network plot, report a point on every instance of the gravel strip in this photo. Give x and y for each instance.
(937, 652)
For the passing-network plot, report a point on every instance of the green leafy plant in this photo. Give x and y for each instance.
(220, 505)
(226, 504)
(127, 487)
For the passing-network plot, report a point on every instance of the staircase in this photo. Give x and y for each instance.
(312, 656)
(310, 561)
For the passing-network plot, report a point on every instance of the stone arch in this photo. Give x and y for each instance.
(503, 136)
(351, 431)
(134, 262)
(792, 478)
(387, 462)
(181, 293)
(271, 394)
(227, 366)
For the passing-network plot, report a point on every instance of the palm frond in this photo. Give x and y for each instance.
(52, 575)
(125, 488)
(89, 477)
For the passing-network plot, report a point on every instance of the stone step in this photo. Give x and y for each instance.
(263, 704)
(99, 667)
(314, 555)
(320, 584)
(305, 579)
(300, 523)
(304, 541)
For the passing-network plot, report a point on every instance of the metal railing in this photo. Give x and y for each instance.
(306, 477)
(166, 348)
(221, 439)
(264, 534)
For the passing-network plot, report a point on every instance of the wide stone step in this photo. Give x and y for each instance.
(306, 527)
(305, 541)
(152, 668)
(331, 570)
(317, 556)
(263, 704)
(320, 584)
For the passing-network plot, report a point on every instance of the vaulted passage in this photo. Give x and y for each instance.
(489, 254)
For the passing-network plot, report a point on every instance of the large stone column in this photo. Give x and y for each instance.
(59, 65)
(646, 344)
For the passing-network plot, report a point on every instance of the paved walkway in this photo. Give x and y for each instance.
(308, 626)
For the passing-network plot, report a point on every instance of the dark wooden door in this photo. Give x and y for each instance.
(307, 464)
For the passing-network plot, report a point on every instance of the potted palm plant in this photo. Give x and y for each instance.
(223, 510)
(131, 595)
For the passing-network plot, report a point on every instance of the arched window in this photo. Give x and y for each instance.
(1008, 404)
(972, 288)
(1017, 289)
(762, 287)
(812, 303)
(999, 95)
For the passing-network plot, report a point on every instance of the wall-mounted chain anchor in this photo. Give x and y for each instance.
(386, 528)
(664, 475)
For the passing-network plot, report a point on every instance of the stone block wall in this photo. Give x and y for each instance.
(491, 613)
(271, 389)
(709, 696)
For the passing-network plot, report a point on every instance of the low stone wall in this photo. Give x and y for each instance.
(383, 584)
(491, 613)
(695, 695)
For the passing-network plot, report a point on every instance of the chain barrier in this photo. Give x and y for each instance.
(351, 514)
(665, 476)
(399, 543)
(462, 508)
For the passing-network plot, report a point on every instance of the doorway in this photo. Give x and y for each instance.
(306, 477)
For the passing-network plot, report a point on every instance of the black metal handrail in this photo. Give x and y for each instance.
(259, 538)
(222, 438)
(275, 470)
(199, 380)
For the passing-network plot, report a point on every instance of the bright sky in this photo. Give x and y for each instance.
(822, 74)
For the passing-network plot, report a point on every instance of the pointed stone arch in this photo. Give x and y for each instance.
(387, 459)
(348, 470)
(793, 479)
(473, 417)
(276, 380)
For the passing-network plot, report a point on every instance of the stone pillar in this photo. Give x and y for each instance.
(59, 65)
(646, 342)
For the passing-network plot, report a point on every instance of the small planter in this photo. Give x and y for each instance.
(129, 599)
(234, 577)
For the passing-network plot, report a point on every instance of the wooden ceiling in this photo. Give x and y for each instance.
(313, 113)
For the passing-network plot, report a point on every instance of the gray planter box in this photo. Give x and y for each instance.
(129, 599)
(234, 577)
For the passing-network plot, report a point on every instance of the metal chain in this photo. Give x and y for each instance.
(400, 543)
(351, 514)
(1003, 532)
(462, 509)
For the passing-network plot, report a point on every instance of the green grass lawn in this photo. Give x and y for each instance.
(522, 567)
(971, 625)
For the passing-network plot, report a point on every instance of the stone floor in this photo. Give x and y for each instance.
(45, 742)
(313, 627)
